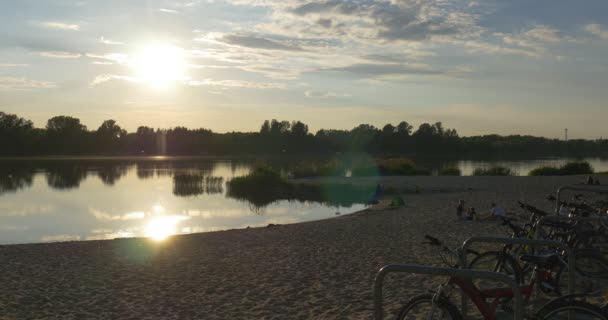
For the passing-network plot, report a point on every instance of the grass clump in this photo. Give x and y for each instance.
(260, 176)
(493, 171)
(570, 168)
(450, 172)
(263, 186)
(331, 168)
(388, 167)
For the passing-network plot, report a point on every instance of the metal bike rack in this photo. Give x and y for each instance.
(530, 242)
(544, 219)
(448, 272)
(588, 188)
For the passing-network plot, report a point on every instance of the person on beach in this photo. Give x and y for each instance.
(496, 213)
(471, 214)
(460, 209)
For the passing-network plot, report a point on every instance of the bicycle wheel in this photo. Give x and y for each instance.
(496, 261)
(561, 309)
(591, 263)
(560, 282)
(423, 307)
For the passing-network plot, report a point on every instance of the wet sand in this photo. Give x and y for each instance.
(314, 270)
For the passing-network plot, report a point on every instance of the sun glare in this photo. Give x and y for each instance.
(159, 66)
(160, 228)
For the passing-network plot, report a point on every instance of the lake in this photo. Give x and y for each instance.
(83, 199)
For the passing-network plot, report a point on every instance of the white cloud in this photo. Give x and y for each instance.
(60, 54)
(14, 83)
(58, 25)
(237, 84)
(597, 30)
(107, 77)
(543, 33)
(13, 65)
(120, 58)
(168, 10)
(324, 95)
(109, 42)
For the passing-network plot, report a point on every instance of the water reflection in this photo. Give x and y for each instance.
(64, 175)
(110, 173)
(15, 177)
(120, 198)
(193, 184)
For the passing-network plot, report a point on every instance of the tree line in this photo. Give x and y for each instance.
(65, 135)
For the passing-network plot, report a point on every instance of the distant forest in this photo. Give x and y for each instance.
(64, 135)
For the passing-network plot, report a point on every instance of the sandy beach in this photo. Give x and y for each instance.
(314, 270)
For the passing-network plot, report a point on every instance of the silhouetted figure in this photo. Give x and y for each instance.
(590, 180)
(471, 214)
(597, 181)
(460, 209)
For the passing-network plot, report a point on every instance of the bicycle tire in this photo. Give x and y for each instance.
(444, 305)
(560, 309)
(508, 266)
(591, 263)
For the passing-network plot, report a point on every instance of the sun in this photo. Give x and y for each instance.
(159, 65)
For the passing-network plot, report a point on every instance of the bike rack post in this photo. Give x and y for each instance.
(531, 242)
(589, 188)
(449, 272)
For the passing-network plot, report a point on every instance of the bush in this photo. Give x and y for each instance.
(329, 168)
(388, 167)
(576, 167)
(493, 171)
(260, 175)
(450, 172)
(570, 168)
(545, 171)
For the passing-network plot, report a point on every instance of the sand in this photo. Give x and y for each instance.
(314, 270)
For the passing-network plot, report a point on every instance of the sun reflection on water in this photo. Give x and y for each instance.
(159, 228)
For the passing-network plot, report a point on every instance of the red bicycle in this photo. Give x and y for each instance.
(437, 305)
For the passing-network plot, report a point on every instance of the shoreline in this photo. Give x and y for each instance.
(322, 269)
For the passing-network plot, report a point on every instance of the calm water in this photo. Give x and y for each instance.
(67, 200)
(61, 200)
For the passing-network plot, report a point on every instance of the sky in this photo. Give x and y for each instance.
(480, 66)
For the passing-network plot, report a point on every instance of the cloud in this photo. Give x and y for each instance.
(120, 58)
(107, 77)
(324, 95)
(238, 84)
(388, 69)
(168, 10)
(13, 65)
(543, 33)
(57, 25)
(14, 83)
(60, 54)
(597, 30)
(258, 43)
(108, 41)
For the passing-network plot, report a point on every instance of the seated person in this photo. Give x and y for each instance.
(496, 213)
(471, 214)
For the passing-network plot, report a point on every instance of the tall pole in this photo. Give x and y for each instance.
(566, 134)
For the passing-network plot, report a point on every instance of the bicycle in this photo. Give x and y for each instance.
(437, 305)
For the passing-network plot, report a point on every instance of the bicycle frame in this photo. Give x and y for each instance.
(480, 297)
